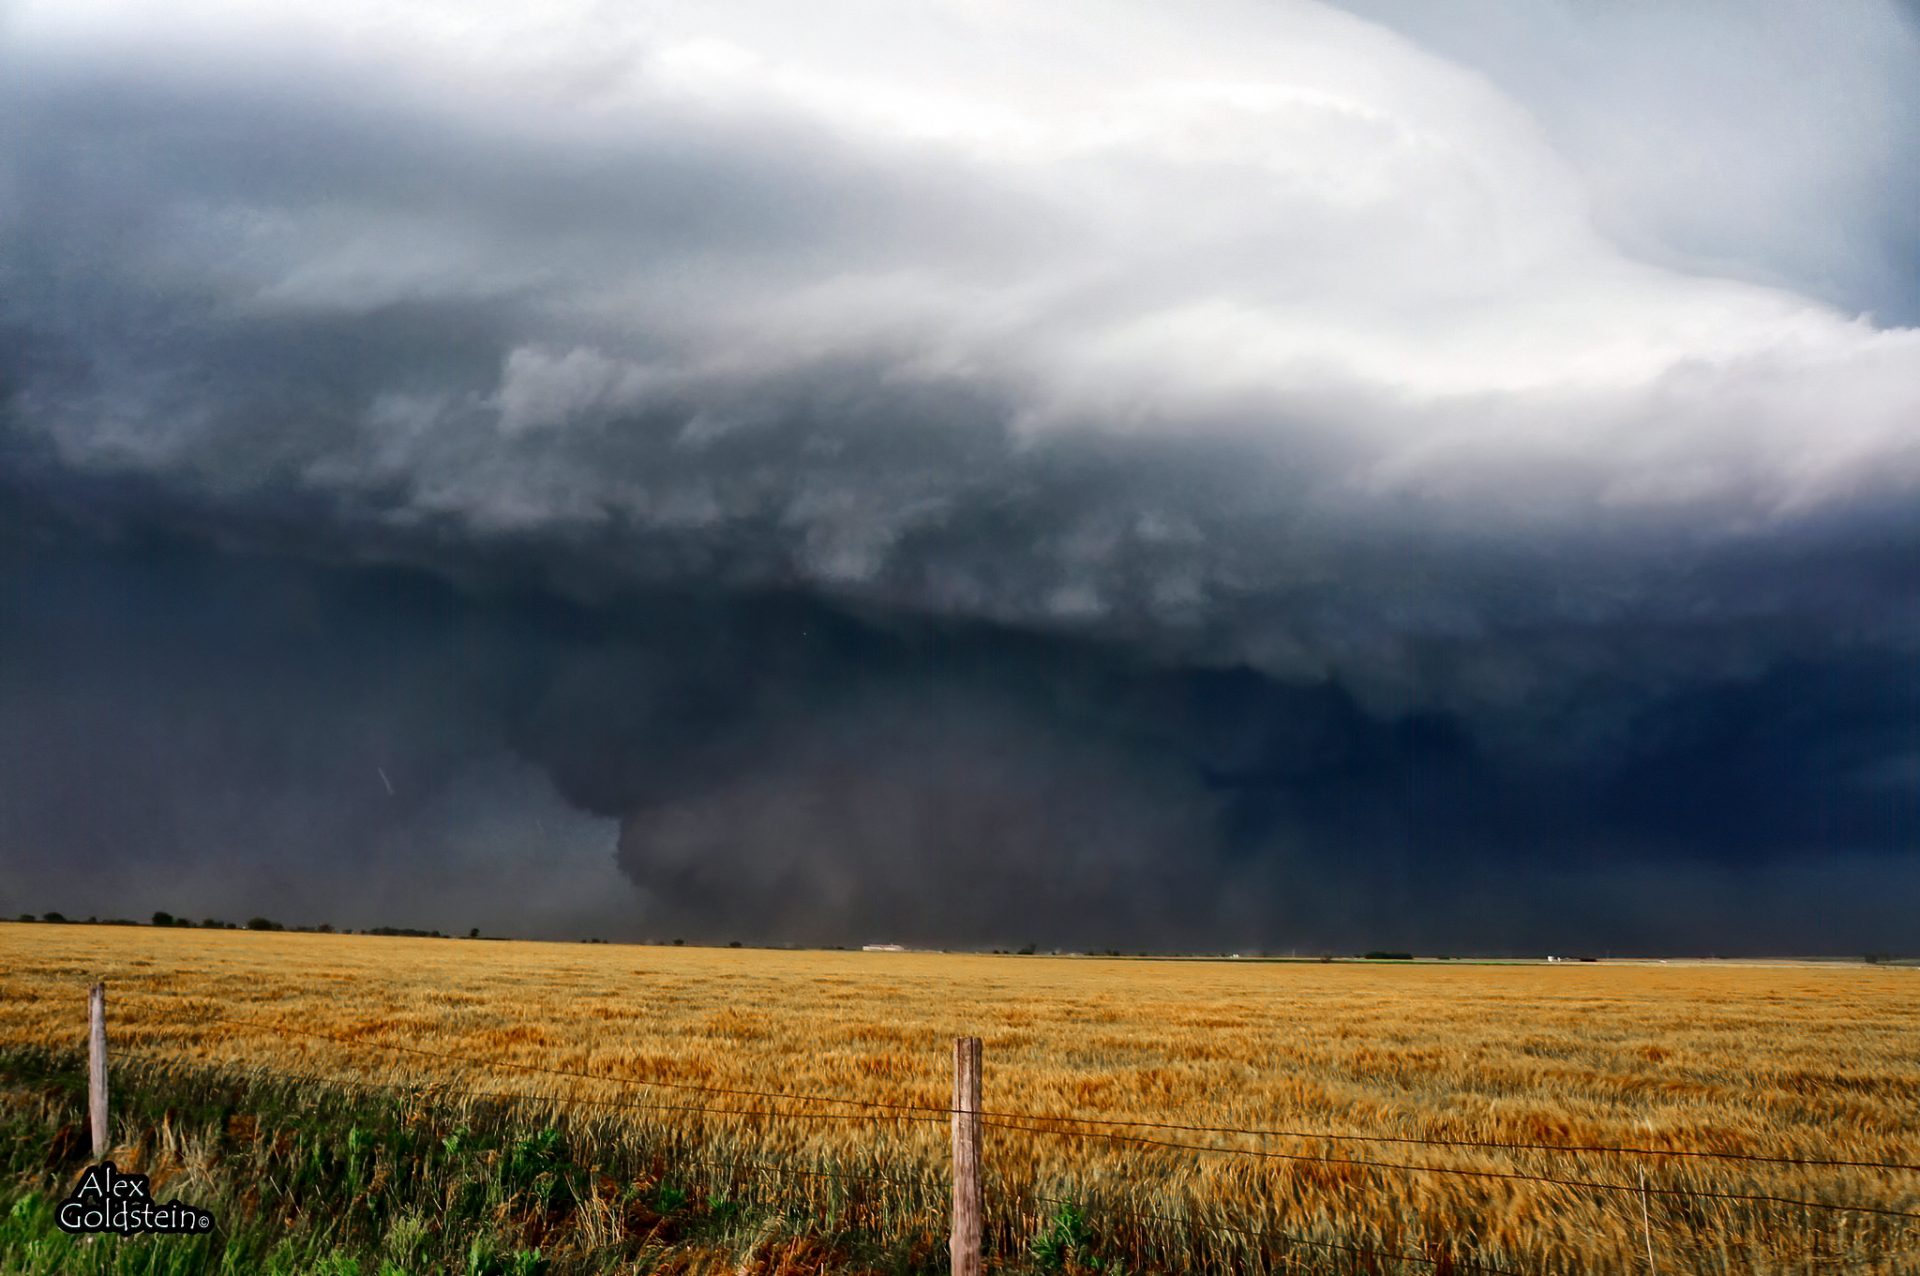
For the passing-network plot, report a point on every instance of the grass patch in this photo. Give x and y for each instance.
(336, 1181)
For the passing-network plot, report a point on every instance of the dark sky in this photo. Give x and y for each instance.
(1260, 475)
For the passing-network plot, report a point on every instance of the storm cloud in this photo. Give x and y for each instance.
(1269, 476)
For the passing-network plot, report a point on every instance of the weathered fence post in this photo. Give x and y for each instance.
(97, 1067)
(964, 1248)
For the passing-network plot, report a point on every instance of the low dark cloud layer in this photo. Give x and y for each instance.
(375, 745)
(1302, 488)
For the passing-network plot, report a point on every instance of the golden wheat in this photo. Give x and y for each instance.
(1811, 1061)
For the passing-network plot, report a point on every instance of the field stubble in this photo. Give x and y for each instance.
(1820, 1062)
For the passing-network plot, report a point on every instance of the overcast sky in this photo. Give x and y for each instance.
(1235, 474)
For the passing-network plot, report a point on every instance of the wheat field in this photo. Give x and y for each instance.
(1808, 1061)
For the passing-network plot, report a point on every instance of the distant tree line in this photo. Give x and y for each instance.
(166, 919)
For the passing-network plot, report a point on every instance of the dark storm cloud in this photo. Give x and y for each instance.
(781, 769)
(1232, 495)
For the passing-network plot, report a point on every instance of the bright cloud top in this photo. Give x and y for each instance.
(1145, 221)
(1277, 228)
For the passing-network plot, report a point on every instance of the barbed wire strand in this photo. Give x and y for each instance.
(1488, 1145)
(558, 1100)
(1461, 1171)
(252, 1073)
(551, 1100)
(1124, 1123)
(1267, 1154)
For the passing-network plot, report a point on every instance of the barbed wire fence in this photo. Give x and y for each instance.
(968, 1118)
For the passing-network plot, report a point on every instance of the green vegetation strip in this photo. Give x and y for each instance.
(339, 1182)
(307, 1177)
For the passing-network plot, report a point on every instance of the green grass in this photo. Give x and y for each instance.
(309, 1179)
(332, 1182)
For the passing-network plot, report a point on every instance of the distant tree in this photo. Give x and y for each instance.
(733, 943)
(212, 923)
(26, 917)
(325, 928)
(1027, 951)
(474, 933)
(678, 943)
(53, 917)
(262, 923)
(163, 919)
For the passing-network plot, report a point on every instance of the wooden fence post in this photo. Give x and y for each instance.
(97, 1067)
(964, 1248)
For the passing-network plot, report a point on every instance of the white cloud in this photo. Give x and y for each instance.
(541, 388)
(1408, 292)
(1243, 199)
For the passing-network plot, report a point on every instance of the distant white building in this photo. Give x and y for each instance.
(883, 948)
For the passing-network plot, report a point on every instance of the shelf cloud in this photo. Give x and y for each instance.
(1275, 472)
